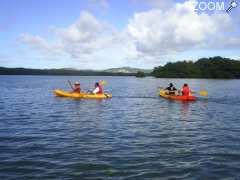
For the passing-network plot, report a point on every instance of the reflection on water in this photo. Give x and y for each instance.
(134, 135)
(185, 110)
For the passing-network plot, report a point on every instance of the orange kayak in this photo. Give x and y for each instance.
(163, 94)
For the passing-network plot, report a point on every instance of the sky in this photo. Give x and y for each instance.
(102, 34)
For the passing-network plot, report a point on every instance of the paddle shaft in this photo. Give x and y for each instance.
(202, 93)
(69, 82)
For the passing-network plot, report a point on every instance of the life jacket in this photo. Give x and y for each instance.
(171, 88)
(100, 89)
(77, 89)
(186, 91)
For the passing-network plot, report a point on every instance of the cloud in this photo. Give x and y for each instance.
(149, 36)
(84, 37)
(40, 44)
(157, 32)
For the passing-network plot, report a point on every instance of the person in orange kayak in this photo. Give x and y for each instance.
(171, 90)
(98, 89)
(77, 87)
(185, 90)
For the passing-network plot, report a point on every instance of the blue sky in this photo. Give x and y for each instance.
(99, 34)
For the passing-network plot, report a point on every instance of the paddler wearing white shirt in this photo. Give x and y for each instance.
(98, 89)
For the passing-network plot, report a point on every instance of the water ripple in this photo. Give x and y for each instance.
(137, 136)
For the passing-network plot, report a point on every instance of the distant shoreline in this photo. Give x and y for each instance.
(119, 76)
(205, 68)
(59, 72)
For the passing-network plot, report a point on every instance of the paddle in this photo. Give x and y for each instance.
(202, 92)
(69, 82)
(102, 83)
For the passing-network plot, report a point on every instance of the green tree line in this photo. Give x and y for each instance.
(213, 67)
(65, 72)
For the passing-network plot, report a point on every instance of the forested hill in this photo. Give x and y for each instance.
(214, 67)
(65, 72)
(123, 71)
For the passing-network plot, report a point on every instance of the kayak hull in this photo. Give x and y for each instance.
(62, 93)
(178, 98)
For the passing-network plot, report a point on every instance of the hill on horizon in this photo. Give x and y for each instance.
(128, 70)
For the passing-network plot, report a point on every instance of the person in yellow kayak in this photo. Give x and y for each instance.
(171, 90)
(98, 88)
(77, 87)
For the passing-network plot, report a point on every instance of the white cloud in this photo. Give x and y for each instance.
(40, 44)
(157, 32)
(148, 36)
(85, 37)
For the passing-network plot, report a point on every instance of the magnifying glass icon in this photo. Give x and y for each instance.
(233, 4)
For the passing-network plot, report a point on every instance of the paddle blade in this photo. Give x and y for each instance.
(203, 93)
(103, 83)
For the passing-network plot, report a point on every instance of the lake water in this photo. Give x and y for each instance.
(134, 135)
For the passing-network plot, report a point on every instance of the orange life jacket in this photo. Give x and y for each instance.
(186, 91)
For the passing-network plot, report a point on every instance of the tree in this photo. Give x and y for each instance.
(214, 67)
(140, 74)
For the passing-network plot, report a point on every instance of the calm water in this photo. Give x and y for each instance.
(134, 135)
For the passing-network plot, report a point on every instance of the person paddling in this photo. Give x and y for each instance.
(98, 89)
(171, 90)
(77, 87)
(186, 90)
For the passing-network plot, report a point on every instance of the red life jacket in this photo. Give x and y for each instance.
(186, 91)
(77, 89)
(100, 89)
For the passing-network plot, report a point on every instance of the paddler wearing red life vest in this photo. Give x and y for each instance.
(186, 90)
(77, 87)
(98, 89)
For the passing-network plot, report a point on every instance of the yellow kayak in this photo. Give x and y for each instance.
(62, 93)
